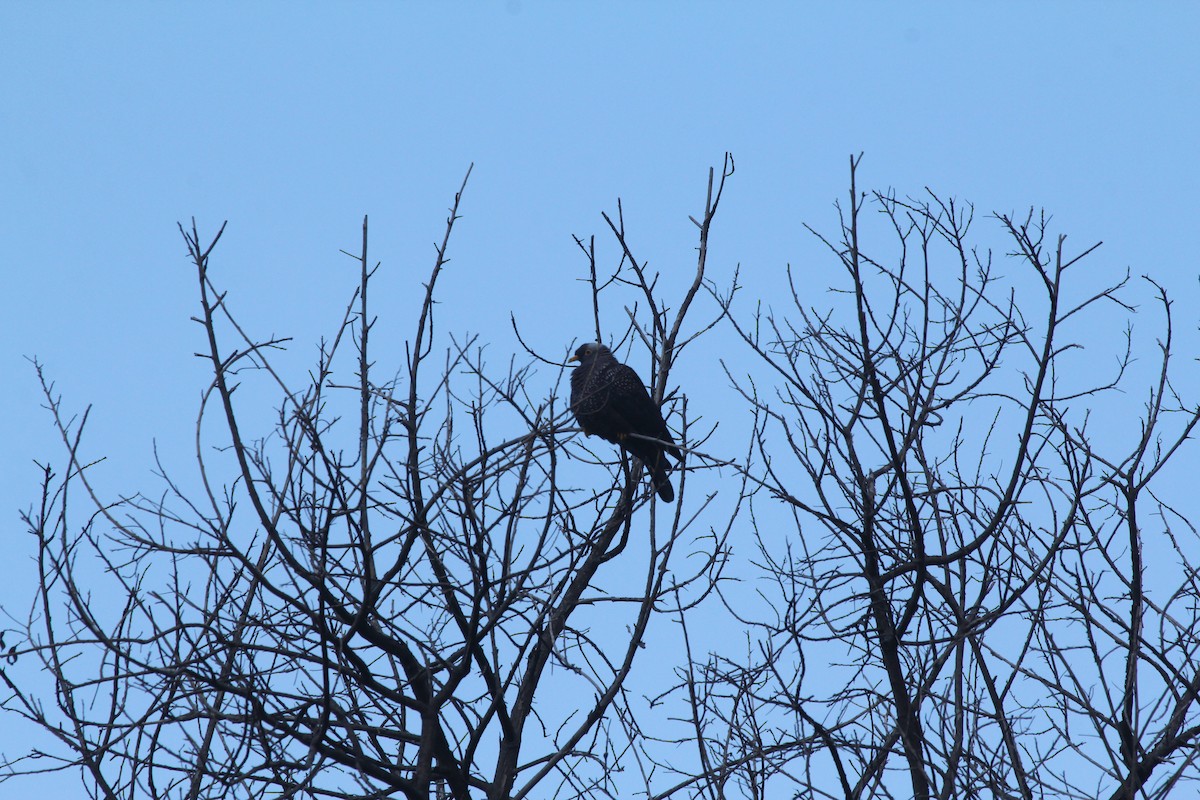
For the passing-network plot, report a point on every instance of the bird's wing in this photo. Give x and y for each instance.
(630, 400)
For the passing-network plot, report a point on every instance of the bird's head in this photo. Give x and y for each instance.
(588, 352)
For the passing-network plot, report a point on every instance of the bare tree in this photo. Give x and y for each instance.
(963, 569)
(954, 601)
(399, 586)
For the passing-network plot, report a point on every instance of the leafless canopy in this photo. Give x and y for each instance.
(951, 557)
(960, 606)
(399, 587)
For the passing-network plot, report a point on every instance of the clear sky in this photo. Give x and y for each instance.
(292, 121)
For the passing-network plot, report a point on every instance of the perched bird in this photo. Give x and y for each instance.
(610, 401)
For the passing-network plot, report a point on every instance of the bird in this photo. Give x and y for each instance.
(610, 401)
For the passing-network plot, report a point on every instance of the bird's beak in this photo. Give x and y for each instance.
(572, 358)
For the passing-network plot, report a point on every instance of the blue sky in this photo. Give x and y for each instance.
(293, 121)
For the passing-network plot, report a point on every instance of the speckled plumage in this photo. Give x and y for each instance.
(610, 401)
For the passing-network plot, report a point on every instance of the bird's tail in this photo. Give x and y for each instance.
(662, 484)
(657, 466)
